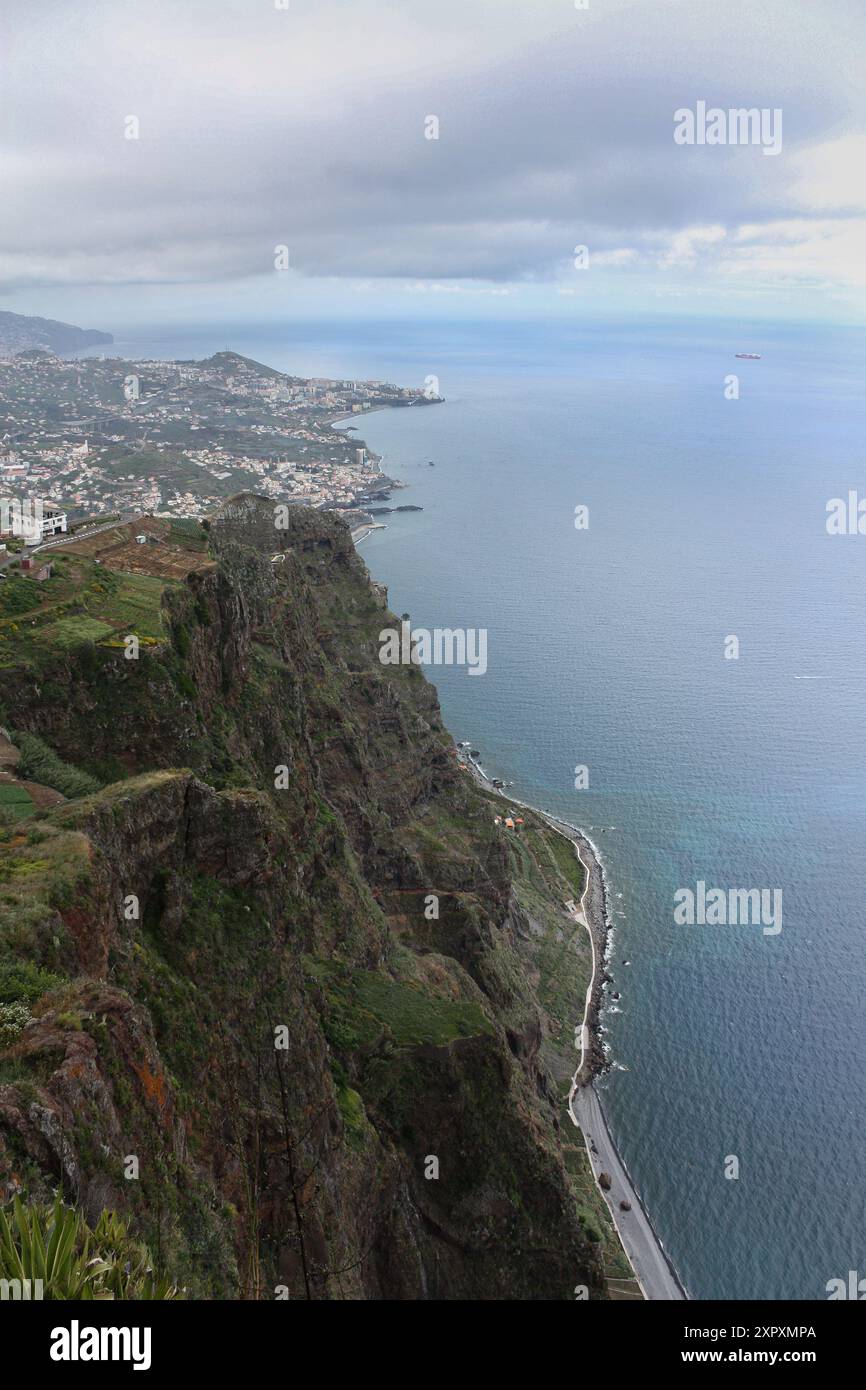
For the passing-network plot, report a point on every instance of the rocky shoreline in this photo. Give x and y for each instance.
(595, 906)
(598, 922)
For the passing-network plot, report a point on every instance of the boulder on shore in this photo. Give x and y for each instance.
(605, 1182)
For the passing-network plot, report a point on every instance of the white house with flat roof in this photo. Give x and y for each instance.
(31, 519)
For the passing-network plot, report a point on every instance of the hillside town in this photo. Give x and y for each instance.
(102, 436)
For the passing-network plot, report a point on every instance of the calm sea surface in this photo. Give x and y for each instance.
(606, 649)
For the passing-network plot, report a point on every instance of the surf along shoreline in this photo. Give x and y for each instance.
(652, 1267)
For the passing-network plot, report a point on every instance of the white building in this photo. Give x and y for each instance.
(32, 520)
(53, 521)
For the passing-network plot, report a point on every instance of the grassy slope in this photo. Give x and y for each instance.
(81, 602)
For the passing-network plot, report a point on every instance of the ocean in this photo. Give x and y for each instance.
(736, 1088)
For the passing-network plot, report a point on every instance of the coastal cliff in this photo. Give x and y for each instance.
(276, 987)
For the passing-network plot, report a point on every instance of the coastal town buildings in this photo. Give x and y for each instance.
(195, 433)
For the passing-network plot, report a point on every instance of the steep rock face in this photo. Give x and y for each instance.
(247, 1029)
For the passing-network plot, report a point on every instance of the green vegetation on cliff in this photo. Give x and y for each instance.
(285, 960)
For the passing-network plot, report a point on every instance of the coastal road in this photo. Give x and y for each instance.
(639, 1240)
(9, 557)
(75, 537)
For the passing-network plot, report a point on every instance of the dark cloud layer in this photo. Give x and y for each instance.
(261, 127)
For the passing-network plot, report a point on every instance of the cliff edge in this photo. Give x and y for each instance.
(274, 984)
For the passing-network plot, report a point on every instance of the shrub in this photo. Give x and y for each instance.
(14, 1018)
(23, 982)
(56, 1246)
(39, 763)
(185, 685)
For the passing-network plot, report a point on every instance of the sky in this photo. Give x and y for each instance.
(307, 127)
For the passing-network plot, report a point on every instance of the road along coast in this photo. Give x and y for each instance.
(653, 1270)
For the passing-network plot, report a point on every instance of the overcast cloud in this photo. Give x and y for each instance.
(305, 127)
